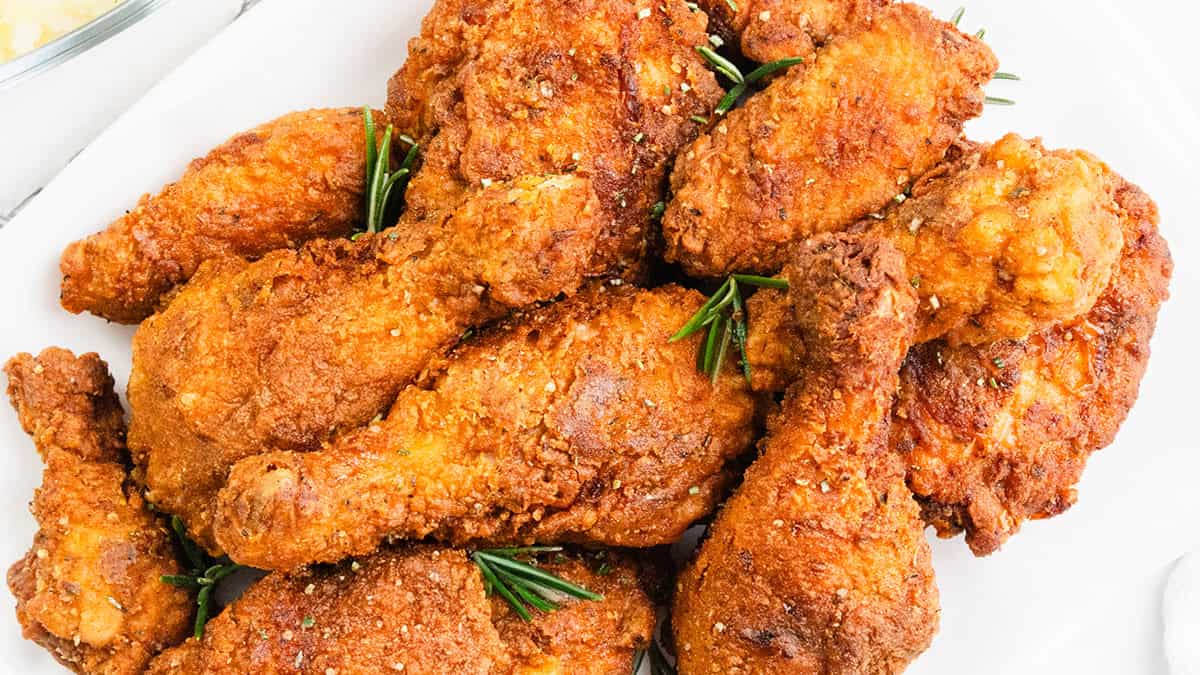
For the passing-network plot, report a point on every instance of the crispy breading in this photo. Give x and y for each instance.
(999, 433)
(289, 351)
(1009, 239)
(819, 564)
(278, 185)
(580, 422)
(1000, 241)
(498, 89)
(825, 144)
(419, 610)
(88, 590)
(769, 30)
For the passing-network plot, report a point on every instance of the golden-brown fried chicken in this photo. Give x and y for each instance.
(999, 433)
(1000, 241)
(278, 185)
(580, 422)
(1008, 239)
(420, 610)
(88, 590)
(499, 89)
(826, 144)
(287, 352)
(819, 564)
(769, 30)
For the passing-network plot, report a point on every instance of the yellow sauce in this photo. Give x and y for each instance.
(26, 25)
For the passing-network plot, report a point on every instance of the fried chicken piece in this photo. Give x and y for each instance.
(499, 89)
(999, 433)
(819, 564)
(825, 144)
(769, 30)
(287, 352)
(88, 590)
(1009, 239)
(1000, 241)
(579, 423)
(278, 185)
(419, 610)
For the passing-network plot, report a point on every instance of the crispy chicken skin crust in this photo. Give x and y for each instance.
(88, 590)
(769, 30)
(999, 433)
(287, 352)
(1007, 240)
(580, 422)
(819, 564)
(1000, 241)
(278, 185)
(826, 144)
(498, 89)
(420, 610)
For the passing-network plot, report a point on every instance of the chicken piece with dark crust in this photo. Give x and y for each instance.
(289, 351)
(769, 30)
(997, 434)
(420, 610)
(1000, 241)
(293, 179)
(499, 89)
(819, 563)
(826, 144)
(88, 590)
(580, 422)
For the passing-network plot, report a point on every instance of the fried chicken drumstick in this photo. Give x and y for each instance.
(287, 352)
(421, 610)
(1010, 237)
(580, 422)
(499, 89)
(826, 144)
(819, 564)
(88, 589)
(278, 185)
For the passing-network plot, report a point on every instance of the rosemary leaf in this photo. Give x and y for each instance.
(994, 100)
(957, 16)
(768, 68)
(1006, 76)
(721, 64)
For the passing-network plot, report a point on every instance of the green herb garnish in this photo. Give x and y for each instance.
(724, 315)
(380, 179)
(740, 82)
(995, 100)
(204, 574)
(521, 583)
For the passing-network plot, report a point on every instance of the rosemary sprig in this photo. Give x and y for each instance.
(521, 583)
(740, 82)
(204, 574)
(724, 315)
(380, 178)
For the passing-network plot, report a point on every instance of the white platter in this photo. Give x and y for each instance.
(1079, 593)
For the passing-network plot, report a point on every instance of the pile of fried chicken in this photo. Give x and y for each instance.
(944, 331)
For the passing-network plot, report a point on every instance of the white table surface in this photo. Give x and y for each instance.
(1080, 593)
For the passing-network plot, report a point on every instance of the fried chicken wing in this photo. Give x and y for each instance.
(581, 422)
(769, 30)
(999, 433)
(1000, 241)
(499, 89)
(88, 590)
(289, 351)
(825, 144)
(420, 610)
(278, 185)
(818, 564)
